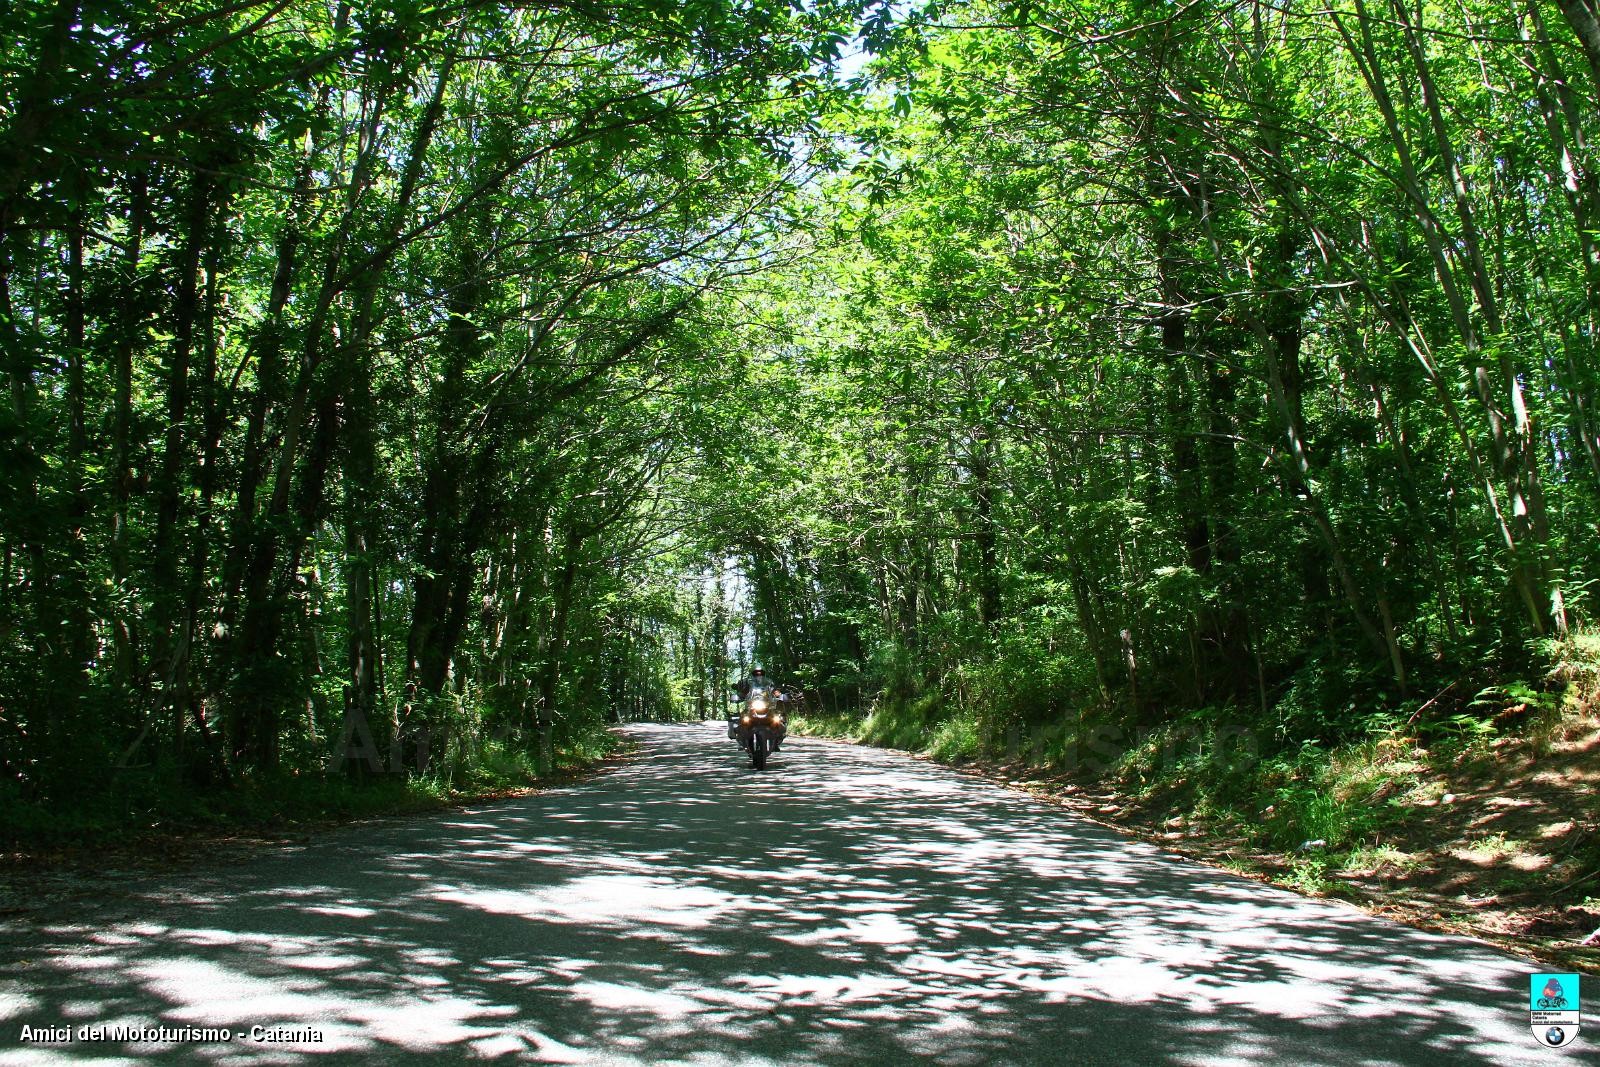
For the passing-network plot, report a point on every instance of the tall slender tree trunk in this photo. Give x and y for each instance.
(124, 343)
(168, 640)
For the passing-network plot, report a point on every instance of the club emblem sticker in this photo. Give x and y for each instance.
(1553, 1009)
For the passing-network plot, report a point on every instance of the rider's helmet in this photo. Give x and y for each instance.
(756, 672)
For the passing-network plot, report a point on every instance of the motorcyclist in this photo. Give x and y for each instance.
(756, 682)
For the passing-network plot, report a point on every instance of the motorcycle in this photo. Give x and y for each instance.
(760, 728)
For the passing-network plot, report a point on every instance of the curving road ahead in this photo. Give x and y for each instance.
(848, 905)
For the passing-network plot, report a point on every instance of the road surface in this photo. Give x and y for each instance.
(846, 906)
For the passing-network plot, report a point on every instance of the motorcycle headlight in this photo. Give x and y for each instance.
(758, 705)
(777, 718)
(745, 721)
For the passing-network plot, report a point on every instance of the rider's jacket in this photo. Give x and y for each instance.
(745, 687)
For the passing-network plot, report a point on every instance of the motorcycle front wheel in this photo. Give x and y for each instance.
(758, 757)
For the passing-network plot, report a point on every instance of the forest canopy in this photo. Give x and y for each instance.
(427, 381)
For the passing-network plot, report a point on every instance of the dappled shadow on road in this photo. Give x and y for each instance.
(846, 905)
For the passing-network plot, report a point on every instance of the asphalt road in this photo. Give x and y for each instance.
(846, 906)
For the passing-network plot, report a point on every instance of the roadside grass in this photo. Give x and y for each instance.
(1488, 849)
(837, 725)
(956, 740)
(902, 724)
(1381, 859)
(914, 726)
